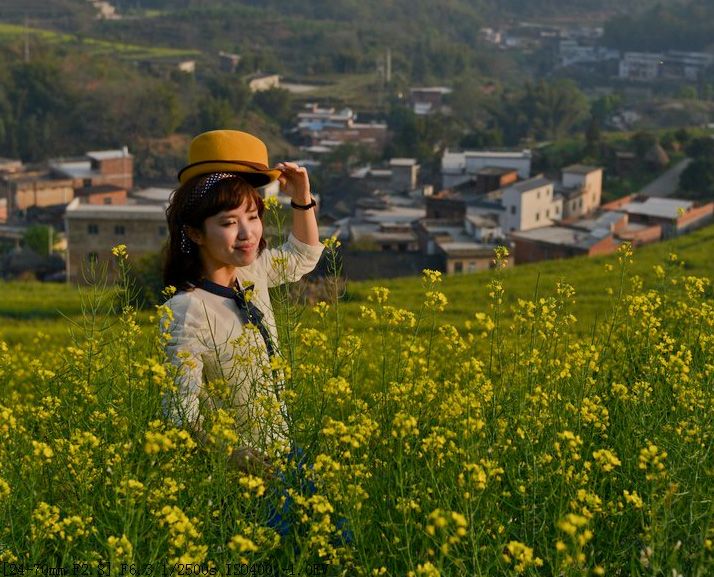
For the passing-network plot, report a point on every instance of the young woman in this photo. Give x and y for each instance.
(223, 334)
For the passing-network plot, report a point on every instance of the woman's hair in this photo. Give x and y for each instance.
(181, 269)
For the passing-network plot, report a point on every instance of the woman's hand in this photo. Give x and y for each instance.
(251, 462)
(294, 182)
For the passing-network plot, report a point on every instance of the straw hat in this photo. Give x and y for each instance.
(229, 151)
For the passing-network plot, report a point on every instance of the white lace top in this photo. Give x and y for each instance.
(220, 361)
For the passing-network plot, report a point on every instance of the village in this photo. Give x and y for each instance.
(399, 224)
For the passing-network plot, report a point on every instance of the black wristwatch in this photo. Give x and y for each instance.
(304, 206)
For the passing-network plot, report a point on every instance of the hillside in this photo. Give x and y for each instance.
(29, 307)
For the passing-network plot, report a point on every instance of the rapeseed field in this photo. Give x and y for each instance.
(509, 442)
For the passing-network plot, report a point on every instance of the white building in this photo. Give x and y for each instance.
(460, 167)
(530, 204)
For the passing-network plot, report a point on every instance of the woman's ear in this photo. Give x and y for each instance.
(194, 234)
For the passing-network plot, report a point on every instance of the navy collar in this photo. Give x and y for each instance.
(224, 291)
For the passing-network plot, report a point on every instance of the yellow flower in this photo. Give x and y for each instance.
(119, 251)
(331, 243)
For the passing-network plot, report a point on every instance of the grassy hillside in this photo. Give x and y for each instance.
(28, 307)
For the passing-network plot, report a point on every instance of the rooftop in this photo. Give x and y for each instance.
(658, 207)
(531, 184)
(109, 154)
(563, 236)
(580, 169)
(78, 210)
(494, 171)
(403, 162)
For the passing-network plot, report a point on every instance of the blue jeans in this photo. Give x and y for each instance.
(282, 519)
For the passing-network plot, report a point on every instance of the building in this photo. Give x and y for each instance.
(530, 204)
(428, 100)
(451, 240)
(648, 66)
(552, 242)
(674, 215)
(259, 82)
(99, 167)
(492, 178)
(326, 128)
(460, 167)
(93, 229)
(34, 187)
(404, 174)
(102, 194)
(581, 189)
(228, 62)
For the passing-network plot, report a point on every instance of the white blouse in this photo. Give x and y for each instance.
(211, 347)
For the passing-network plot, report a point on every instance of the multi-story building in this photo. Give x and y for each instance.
(100, 167)
(93, 229)
(530, 204)
(581, 188)
(460, 167)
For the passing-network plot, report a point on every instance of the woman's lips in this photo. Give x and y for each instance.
(246, 248)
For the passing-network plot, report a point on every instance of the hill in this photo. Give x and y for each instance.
(28, 307)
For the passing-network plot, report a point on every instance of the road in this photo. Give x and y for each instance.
(667, 184)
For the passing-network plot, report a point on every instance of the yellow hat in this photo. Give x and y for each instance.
(229, 151)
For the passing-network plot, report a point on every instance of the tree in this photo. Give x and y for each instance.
(38, 239)
(277, 103)
(545, 110)
(698, 177)
(701, 148)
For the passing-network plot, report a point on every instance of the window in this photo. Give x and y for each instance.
(557, 210)
(537, 215)
(472, 266)
(119, 230)
(162, 231)
(538, 194)
(87, 182)
(547, 213)
(107, 200)
(92, 229)
(513, 209)
(458, 266)
(92, 257)
(402, 247)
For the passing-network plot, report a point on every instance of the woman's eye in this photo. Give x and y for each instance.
(228, 223)
(253, 218)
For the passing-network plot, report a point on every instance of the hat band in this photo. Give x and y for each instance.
(253, 165)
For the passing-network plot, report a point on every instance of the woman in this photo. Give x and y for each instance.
(223, 330)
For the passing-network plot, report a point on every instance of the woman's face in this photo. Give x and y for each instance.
(231, 237)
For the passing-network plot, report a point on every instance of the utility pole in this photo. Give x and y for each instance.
(27, 39)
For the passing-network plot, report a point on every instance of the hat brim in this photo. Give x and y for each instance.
(257, 178)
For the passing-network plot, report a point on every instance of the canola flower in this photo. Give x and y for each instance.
(430, 448)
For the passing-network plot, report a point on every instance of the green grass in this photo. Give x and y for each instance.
(467, 294)
(131, 51)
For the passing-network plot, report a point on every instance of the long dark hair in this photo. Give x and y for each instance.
(180, 269)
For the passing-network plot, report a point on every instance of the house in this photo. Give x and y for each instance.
(93, 229)
(114, 167)
(454, 242)
(581, 189)
(674, 215)
(460, 167)
(428, 100)
(164, 66)
(491, 178)
(552, 242)
(102, 194)
(259, 82)
(530, 204)
(404, 174)
(648, 66)
(34, 187)
(228, 62)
